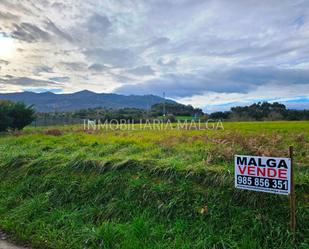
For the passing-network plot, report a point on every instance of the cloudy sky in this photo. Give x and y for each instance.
(211, 54)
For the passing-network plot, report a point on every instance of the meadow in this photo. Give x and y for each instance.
(63, 187)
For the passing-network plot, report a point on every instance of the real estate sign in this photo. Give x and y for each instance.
(264, 174)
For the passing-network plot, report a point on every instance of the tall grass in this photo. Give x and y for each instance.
(148, 189)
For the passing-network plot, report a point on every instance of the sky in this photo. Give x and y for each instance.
(210, 54)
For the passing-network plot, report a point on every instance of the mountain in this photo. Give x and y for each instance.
(49, 102)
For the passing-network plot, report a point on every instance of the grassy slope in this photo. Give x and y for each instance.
(148, 189)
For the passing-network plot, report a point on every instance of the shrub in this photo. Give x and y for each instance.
(15, 115)
(4, 118)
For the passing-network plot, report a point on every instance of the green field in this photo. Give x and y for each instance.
(62, 187)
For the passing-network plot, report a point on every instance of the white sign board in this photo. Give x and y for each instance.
(264, 174)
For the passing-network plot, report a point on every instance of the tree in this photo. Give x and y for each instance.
(21, 115)
(175, 109)
(15, 115)
(219, 115)
(4, 118)
(260, 111)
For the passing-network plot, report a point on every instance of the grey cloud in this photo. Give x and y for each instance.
(4, 62)
(26, 81)
(116, 57)
(75, 66)
(236, 80)
(66, 52)
(182, 86)
(53, 28)
(262, 75)
(59, 6)
(97, 67)
(16, 7)
(99, 24)
(143, 70)
(121, 78)
(60, 79)
(29, 32)
(159, 41)
(45, 69)
(8, 16)
(8, 76)
(283, 52)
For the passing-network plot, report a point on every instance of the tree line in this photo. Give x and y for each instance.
(15, 116)
(169, 110)
(261, 111)
(256, 112)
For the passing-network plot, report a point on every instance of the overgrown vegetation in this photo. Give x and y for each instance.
(69, 188)
(15, 115)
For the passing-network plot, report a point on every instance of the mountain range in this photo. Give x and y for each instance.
(50, 102)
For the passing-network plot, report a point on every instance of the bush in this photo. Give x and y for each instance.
(15, 115)
(4, 117)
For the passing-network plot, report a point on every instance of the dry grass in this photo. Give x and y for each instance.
(53, 132)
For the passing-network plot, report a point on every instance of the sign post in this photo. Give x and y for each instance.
(292, 197)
